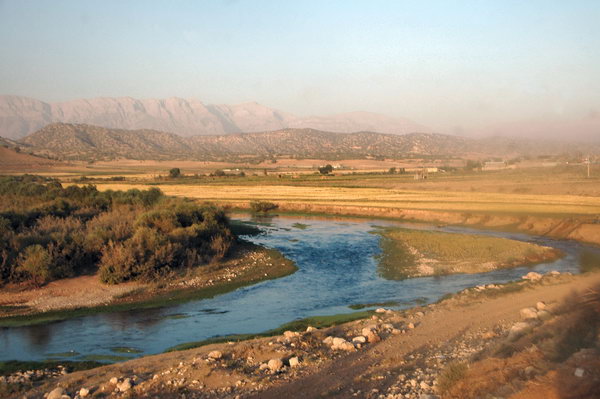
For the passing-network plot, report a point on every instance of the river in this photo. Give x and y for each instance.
(337, 268)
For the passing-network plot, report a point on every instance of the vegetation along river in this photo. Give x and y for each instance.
(337, 268)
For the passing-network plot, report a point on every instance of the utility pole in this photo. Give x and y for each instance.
(587, 161)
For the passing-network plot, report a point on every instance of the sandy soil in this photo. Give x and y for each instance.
(416, 337)
(83, 291)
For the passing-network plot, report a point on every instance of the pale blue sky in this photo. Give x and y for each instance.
(446, 64)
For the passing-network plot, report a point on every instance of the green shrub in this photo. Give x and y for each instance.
(35, 261)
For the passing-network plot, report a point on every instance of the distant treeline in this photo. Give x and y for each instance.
(48, 232)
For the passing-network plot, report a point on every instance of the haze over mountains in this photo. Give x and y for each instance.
(20, 116)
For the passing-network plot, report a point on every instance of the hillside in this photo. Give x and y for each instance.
(11, 160)
(85, 142)
(20, 116)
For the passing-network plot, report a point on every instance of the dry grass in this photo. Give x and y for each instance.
(503, 203)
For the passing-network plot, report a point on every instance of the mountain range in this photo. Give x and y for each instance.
(88, 142)
(92, 143)
(21, 116)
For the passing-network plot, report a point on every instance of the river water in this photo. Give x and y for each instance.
(337, 268)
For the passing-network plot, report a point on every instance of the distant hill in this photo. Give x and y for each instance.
(20, 116)
(86, 142)
(11, 160)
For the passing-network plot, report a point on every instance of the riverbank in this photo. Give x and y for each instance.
(408, 253)
(67, 298)
(394, 353)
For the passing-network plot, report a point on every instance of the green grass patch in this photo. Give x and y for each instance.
(63, 354)
(296, 325)
(359, 306)
(300, 226)
(412, 253)
(14, 366)
(106, 358)
(125, 349)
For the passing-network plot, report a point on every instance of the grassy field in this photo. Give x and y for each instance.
(480, 202)
(413, 253)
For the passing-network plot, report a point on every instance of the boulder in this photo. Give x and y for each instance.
(83, 392)
(540, 305)
(360, 339)
(328, 340)
(532, 276)
(410, 326)
(528, 313)
(275, 365)
(372, 337)
(579, 372)
(337, 341)
(310, 329)
(380, 310)
(365, 331)
(294, 361)
(114, 380)
(518, 330)
(124, 385)
(290, 334)
(215, 355)
(56, 393)
(344, 346)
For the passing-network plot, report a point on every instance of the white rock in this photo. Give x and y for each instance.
(540, 305)
(380, 310)
(328, 340)
(83, 392)
(114, 380)
(310, 329)
(579, 372)
(290, 334)
(275, 365)
(56, 393)
(528, 313)
(532, 276)
(554, 273)
(359, 339)
(125, 385)
(365, 331)
(215, 355)
(294, 361)
(337, 341)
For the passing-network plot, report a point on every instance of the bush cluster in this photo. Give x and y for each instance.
(48, 231)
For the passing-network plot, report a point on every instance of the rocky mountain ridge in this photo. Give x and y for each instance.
(21, 116)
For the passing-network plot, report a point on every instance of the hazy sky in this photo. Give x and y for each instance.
(447, 64)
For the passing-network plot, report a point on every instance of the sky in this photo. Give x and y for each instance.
(452, 65)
